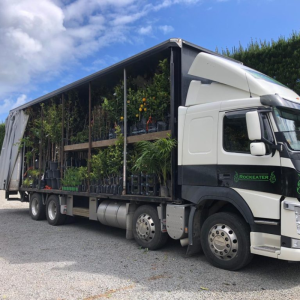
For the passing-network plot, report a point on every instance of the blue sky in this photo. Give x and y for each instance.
(47, 44)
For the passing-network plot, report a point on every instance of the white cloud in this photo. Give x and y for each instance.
(8, 104)
(145, 30)
(166, 29)
(20, 101)
(39, 39)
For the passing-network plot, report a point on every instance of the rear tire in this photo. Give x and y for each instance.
(147, 228)
(54, 216)
(37, 209)
(225, 238)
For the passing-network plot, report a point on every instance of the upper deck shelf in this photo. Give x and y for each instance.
(130, 140)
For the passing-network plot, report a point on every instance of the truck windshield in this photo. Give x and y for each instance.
(288, 122)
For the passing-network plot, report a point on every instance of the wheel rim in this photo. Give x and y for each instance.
(223, 242)
(35, 206)
(52, 210)
(145, 227)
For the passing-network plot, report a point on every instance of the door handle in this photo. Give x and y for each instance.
(224, 176)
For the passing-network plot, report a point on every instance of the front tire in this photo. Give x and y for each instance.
(225, 239)
(37, 209)
(54, 215)
(147, 229)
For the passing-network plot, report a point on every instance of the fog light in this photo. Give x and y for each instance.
(295, 243)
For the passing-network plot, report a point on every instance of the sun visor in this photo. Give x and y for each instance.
(220, 70)
(238, 76)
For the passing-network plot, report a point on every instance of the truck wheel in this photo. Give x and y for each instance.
(54, 216)
(225, 239)
(37, 209)
(147, 229)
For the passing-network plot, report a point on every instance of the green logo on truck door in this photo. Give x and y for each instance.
(256, 177)
(298, 185)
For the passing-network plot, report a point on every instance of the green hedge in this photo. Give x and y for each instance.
(278, 59)
(2, 133)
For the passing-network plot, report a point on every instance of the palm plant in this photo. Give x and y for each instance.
(155, 157)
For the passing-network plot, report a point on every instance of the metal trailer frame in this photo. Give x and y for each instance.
(181, 56)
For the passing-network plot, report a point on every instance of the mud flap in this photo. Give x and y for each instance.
(194, 246)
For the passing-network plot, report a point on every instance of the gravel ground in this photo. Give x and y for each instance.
(86, 260)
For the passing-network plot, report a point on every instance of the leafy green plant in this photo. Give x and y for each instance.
(52, 125)
(150, 97)
(73, 177)
(99, 165)
(113, 105)
(155, 157)
(83, 173)
(27, 182)
(115, 154)
(80, 137)
(34, 173)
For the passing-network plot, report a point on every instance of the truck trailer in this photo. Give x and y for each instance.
(230, 187)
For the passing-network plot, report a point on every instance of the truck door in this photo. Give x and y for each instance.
(256, 178)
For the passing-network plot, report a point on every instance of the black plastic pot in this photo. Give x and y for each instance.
(163, 191)
(53, 165)
(56, 174)
(48, 181)
(98, 189)
(42, 184)
(49, 174)
(162, 126)
(54, 184)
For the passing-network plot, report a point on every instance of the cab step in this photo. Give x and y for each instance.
(266, 248)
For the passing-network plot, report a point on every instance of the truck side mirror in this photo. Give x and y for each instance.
(253, 126)
(258, 149)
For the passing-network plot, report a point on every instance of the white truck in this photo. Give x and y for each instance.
(235, 184)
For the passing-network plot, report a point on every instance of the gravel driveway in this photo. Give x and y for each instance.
(86, 260)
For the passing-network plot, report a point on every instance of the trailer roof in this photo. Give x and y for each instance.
(173, 42)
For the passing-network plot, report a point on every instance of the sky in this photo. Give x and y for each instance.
(47, 44)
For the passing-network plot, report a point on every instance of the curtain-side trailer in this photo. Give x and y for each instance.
(231, 184)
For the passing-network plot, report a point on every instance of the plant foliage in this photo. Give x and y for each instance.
(73, 177)
(155, 157)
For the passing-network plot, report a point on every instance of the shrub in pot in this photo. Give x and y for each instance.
(155, 157)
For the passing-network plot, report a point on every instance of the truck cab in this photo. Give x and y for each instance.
(239, 155)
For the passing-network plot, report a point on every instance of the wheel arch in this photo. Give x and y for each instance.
(202, 196)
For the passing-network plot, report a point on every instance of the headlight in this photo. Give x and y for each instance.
(296, 208)
(295, 243)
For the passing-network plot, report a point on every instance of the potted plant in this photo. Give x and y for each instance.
(72, 180)
(155, 157)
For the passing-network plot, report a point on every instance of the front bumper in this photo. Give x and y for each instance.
(290, 254)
